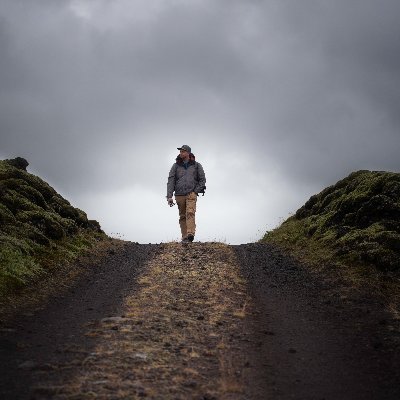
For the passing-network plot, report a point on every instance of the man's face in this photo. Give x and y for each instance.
(184, 154)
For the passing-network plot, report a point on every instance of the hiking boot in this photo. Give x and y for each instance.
(190, 237)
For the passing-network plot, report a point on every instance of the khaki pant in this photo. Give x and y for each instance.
(187, 211)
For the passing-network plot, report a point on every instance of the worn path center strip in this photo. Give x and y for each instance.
(185, 333)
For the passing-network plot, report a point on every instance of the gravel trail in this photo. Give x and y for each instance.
(202, 321)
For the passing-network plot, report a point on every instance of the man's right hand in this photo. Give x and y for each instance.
(170, 202)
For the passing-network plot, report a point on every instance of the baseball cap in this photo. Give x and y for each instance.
(186, 148)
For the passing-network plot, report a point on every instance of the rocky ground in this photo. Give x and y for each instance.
(202, 321)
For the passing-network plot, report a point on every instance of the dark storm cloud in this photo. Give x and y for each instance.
(79, 92)
(91, 92)
(335, 104)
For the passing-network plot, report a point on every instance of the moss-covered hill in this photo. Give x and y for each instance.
(354, 222)
(38, 227)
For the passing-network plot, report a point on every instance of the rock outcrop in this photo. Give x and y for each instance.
(358, 218)
(33, 218)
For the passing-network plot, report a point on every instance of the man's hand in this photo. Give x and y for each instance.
(170, 202)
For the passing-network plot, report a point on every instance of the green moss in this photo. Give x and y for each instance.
(16, 268)
(15, 202)
(9, 172)
(6, 216)
(32, 194)
(357, 220)
(48, 223)
(82, 219)
(70, 226)
(38, 228)
(64, 208)
(24, 246)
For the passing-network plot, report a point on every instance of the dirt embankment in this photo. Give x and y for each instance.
(202, 321)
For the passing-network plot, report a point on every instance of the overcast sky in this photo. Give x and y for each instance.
(278, 99)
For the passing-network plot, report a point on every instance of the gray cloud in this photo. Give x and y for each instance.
(288, 96)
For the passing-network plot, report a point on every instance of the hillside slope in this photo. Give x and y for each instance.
(38, 227)
(355, 221)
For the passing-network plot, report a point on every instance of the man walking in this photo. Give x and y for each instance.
(187, 179)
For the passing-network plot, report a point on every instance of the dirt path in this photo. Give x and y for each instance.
(202, 321)
(330, 340)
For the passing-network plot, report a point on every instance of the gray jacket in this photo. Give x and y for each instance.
(183, 180)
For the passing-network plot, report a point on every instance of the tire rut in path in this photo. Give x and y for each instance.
(188, 331)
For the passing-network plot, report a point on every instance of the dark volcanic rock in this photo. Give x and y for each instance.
(18, 162)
